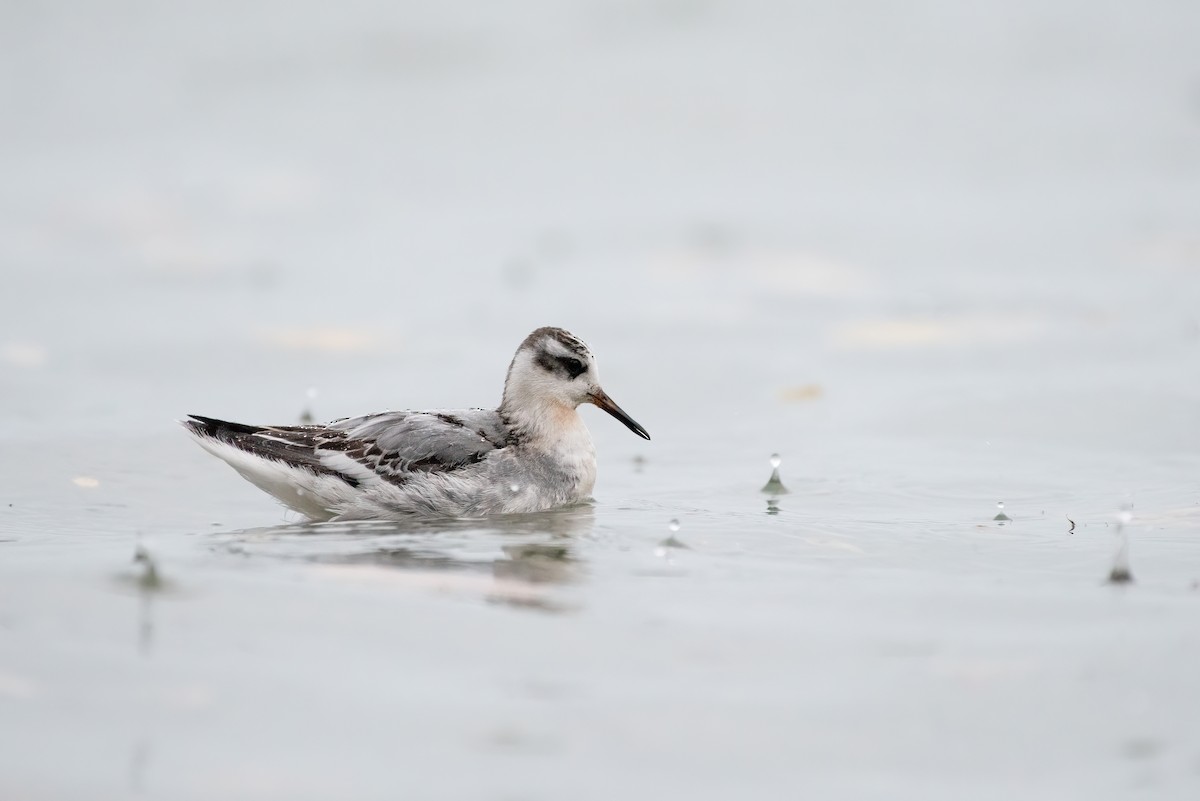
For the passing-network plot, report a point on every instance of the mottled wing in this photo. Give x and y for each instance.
(396, 445)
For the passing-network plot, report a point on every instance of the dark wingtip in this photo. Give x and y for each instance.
(194, 425)
(212, 427)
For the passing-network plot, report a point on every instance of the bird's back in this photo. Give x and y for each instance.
(324, 470)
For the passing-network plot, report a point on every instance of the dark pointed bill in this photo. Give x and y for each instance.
(601, 399)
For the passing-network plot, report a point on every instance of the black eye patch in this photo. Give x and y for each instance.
(573, 366)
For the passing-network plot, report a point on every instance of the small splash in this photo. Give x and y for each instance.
(1000, 517)
(774, 485)
(306, 414)
(1121, 572)
(672, 541)
(514, 488)
(772, 506)
(148, 578)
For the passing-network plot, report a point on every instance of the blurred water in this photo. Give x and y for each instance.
(935, 256)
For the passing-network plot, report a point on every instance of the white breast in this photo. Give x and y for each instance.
(570, 446)
(578, 456)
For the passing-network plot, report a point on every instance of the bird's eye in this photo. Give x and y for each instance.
(573, 366)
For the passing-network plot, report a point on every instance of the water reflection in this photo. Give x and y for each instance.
(515, 559)
(535, 563)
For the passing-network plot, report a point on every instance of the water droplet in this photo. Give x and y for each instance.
(772, 506)
(1000, 516)
(774, 485)
(149, 578)
(306, 414)
(1121, 572)
(665, 546)
(514, 488)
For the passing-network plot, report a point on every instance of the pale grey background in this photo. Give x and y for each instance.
(936, 254)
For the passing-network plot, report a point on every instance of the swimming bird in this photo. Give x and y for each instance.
(530, 454)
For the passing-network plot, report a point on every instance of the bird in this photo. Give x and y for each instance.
(531, 453)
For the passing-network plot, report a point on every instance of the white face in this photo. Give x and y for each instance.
(553, 368)
(547, 371)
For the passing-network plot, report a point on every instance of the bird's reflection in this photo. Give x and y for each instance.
(534, 562)
(515, 560)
